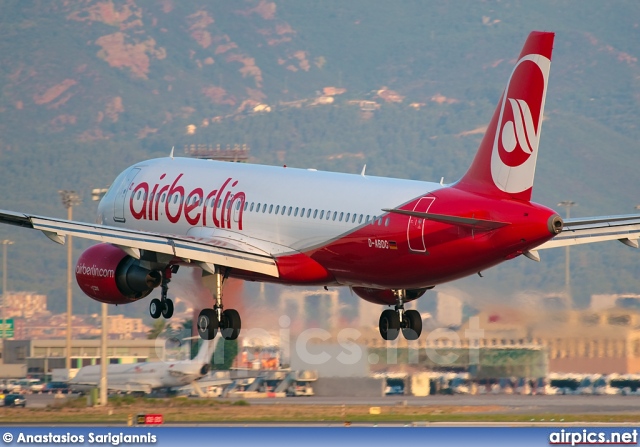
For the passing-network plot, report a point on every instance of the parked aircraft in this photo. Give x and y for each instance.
(148, 376)
(389, 240)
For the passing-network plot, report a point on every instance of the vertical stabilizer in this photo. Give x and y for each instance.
(505, 163)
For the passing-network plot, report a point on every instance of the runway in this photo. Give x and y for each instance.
(511, 404)
(507, 404)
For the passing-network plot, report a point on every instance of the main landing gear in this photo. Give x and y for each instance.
(210, 320)
(392, 321)
(164, 305)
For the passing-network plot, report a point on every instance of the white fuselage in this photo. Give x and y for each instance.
(294, 208)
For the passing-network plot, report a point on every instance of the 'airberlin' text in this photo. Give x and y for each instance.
(196, 207)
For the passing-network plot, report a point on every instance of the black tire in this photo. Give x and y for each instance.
(414, 325)
(389, 324)
(230, 324)
(167, 309)
(207, 324)
(155, 308)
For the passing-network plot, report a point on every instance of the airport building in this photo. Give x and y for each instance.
(37, 358)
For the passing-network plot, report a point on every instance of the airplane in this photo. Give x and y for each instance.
(147, 376)
(389, 240)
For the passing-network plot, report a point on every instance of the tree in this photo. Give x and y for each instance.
(224, 354)
(157, 329)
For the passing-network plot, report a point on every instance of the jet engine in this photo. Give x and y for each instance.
(386, 296)
(107, 274)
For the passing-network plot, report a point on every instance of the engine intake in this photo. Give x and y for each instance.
(107, 274)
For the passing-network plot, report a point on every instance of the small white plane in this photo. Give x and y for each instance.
(389, 240)
(146, 377)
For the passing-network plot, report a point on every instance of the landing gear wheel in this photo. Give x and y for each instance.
(230, 324)
(207, 324)
(389, 324)
(155, 308)
(413, 327)
(167, 309)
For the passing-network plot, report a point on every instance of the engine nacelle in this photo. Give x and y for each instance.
(107, 274)
(386, 296)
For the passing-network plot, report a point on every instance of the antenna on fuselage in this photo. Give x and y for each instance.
(171, 154)
(364, 168)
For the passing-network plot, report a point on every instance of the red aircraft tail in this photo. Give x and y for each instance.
(506, 159)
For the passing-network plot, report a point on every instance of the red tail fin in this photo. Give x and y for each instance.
(506, 159)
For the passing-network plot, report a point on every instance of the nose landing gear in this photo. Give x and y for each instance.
(164, 305)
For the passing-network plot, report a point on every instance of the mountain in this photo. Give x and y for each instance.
(90, 87)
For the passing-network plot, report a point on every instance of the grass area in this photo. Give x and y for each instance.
(121, 409)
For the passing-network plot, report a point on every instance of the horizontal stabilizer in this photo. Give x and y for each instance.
(587, 230)
(470, 222)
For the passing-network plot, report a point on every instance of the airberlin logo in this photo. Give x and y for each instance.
(214, 208)
(515, 146)
(518, 134)
(94, 270)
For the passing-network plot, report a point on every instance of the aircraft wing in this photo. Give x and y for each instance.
(625, 229)
(207, 252)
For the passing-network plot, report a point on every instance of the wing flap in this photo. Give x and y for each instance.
(207, 251)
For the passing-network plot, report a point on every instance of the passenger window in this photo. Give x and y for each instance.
(341, 216)
(163, 197)
(270, 208)
(360, 220)
(251, 209)
(139, 194)
(295, 214)
(309, 213)
(322, 214)
(354, 218)
(277, 209)
(284, 208)
(335, 214)
(386, 222)
(347, 218)
(328, 214)
(315, 213)
(289, 213)
(264, 208)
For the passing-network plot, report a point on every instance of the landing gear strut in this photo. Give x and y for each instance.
(392, 321)
(210, 320)
(164, 305)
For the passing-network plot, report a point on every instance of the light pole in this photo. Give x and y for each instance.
(96, 195)
(567, 273)
(69, 200)
(5, 242)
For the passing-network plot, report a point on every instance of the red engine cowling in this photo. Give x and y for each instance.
(386, 296)
(107, 274)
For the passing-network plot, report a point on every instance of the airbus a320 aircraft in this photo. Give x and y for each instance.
(389, 240)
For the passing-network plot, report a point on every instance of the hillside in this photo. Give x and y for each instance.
(91, 87)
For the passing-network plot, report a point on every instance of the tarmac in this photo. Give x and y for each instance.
(511, 404)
